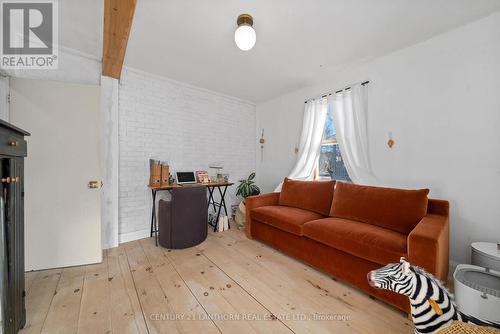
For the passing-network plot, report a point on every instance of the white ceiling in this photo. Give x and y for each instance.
(192, 40)
(81, 25)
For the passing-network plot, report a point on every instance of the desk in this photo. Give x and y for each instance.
(218, 206)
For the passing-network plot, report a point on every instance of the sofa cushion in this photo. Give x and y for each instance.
(285, 218)
(314, 196)
(370, 242)
(396, 209)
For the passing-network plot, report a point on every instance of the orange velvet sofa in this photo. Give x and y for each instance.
(347, 230)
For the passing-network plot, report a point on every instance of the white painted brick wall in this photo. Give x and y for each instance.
(184, 125)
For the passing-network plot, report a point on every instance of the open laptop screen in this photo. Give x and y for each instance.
(186, 177)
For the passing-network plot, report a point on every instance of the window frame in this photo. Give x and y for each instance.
(328, 142)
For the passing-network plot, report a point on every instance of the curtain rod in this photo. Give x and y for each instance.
(337, 91)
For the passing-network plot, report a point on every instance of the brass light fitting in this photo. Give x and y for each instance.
(245, 19)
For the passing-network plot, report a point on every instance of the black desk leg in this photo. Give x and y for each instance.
(223, 203)
(153, 193)
(218, 214)
(211, 197)
(154, 228)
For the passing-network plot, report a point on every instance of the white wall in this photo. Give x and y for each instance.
(73, 66)
(187, 126)
(4, 103)
(110, 150)
(440, 99)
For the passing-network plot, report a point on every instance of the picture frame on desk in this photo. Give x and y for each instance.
(202, 176)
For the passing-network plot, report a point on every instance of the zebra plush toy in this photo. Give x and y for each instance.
(432, 307)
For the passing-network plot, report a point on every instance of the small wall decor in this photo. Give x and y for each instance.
(262, 142)
(391, 141)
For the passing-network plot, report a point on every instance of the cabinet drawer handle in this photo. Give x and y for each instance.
(10, 179)
(13, 143)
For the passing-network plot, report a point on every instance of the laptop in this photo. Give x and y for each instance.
(185, 177)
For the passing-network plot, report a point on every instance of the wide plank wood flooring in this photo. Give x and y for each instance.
(227, 284)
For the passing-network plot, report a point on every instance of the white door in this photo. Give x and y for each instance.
(62, 214)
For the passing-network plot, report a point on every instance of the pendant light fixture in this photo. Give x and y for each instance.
(245, 35)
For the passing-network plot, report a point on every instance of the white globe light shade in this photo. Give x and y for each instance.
(245, 37)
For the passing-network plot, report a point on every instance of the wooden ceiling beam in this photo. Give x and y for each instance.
(118, 15)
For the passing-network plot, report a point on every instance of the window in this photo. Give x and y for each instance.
(330, 162)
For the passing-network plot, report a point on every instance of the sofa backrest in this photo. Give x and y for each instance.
(399, 210)
(314, 196)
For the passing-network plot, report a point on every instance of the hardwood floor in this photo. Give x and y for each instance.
(228, 284)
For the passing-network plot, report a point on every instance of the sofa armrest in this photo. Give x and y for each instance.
(428, 245)
(252, 202)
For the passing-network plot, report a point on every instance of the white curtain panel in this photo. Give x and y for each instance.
(350, 115)
(310, 140)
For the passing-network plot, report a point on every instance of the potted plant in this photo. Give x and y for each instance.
(247, 187)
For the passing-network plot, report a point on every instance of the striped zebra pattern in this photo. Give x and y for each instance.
(431, 304)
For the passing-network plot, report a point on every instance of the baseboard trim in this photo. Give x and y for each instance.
(135, 235)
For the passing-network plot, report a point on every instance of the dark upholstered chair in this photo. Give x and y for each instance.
(182, 221)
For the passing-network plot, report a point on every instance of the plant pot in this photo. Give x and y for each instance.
(239, 217)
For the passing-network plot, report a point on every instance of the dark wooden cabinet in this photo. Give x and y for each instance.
(12, 294)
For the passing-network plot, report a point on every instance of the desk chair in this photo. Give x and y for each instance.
(182, 221)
